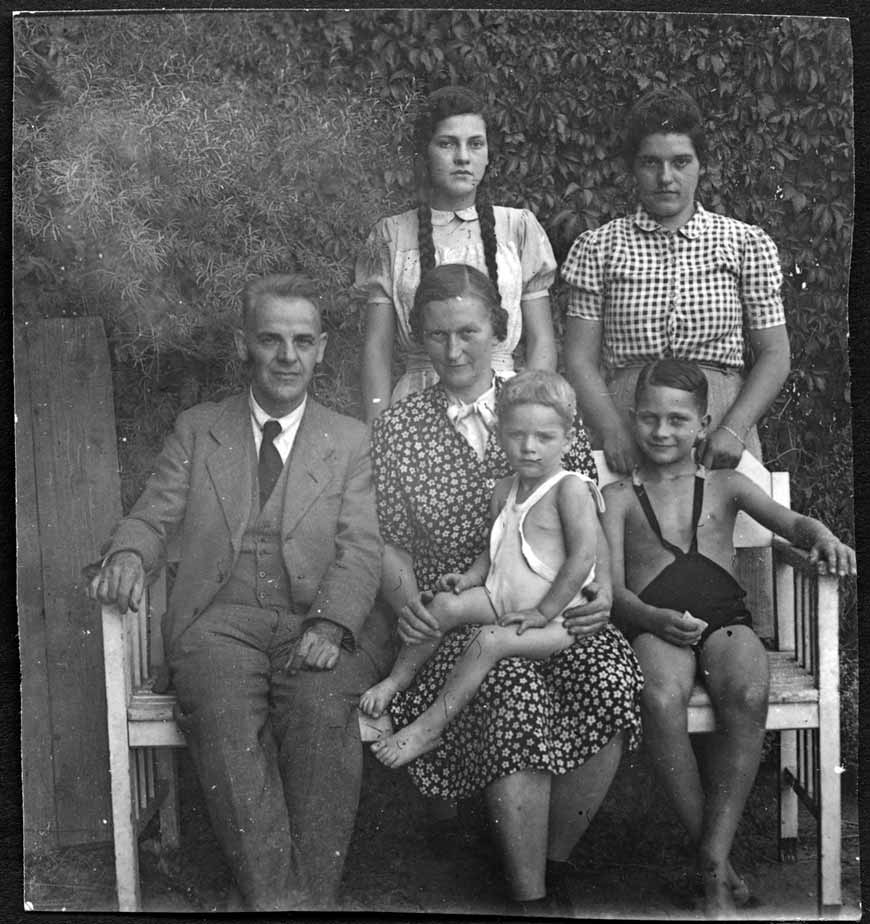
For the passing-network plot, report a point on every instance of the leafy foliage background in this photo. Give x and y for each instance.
(161, 160)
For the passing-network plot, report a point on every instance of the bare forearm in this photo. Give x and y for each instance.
(762, 385)
(631, 612)
(375, 384)
(596, 406)
(398, 582)
(566, 585)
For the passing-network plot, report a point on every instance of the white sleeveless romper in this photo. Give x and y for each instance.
(518, 579)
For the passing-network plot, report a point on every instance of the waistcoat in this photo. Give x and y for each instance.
(259, 577)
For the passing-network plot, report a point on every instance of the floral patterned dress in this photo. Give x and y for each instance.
(433, 497)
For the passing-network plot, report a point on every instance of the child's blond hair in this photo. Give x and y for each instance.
(537, 386)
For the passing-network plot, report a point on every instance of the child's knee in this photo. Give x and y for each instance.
(665, 696)
(744, 699)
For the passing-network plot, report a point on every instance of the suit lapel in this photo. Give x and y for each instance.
(310, 465)
(229, 466)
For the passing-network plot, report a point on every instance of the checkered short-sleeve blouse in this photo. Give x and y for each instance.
(688, 294)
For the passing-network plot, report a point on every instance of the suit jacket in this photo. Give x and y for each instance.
(201, 489)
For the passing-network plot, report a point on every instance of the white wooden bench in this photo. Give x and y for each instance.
(804, 708)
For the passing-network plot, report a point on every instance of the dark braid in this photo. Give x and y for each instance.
(424, 237)
(486, 216)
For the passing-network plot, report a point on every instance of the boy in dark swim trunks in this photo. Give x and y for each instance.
(670, 531)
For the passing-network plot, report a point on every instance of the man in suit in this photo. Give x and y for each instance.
(270, 631)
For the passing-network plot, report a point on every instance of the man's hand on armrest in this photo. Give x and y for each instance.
(121, 581)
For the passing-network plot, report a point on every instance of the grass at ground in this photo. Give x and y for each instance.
(633, 862)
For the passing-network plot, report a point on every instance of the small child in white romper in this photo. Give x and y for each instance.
(542, 552)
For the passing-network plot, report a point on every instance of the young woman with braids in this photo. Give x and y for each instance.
(454, 223)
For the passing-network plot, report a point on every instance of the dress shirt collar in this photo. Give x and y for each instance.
(694, 227)
(290, 420)
(440, 217)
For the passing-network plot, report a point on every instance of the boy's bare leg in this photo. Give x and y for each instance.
(451, 610)
(483, 652)
(737, 678)
(669, 675)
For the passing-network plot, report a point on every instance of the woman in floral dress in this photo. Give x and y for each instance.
(542, 739)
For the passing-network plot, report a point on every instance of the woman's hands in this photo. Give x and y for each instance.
(589, 618)
(721, 449)
(620, 449)
(416, 624)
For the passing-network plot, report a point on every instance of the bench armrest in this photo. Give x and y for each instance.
(807, 612)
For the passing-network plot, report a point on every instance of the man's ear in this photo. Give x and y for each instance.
(241, 344)
(321, 347)
(702, 430)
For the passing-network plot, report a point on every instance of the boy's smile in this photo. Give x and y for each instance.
(668, 424)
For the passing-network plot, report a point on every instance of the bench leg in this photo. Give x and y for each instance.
(830, 884)
(788, 799)
(125, 835)
(167, 773)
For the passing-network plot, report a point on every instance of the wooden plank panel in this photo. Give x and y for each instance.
(40, 824)
(78, 494)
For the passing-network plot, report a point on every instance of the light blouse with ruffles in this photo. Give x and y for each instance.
(388, 272)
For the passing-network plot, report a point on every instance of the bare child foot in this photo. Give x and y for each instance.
(405, 745)
(376, 699)
(738, 885)
(718, 893)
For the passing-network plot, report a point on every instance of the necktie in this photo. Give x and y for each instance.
(270, 460)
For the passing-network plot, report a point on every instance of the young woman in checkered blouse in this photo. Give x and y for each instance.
(455, 223)
(674, 280)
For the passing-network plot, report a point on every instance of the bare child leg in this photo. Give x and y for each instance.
(669, 673)
(484, 651)
(451, 610)
(737, 678)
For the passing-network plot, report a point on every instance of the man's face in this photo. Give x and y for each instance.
(281, 344)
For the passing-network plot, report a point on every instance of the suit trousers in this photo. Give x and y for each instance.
(278, 755)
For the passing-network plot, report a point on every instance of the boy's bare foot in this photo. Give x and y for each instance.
(376, 699)
(739, 887)
(718, 893)
(404, 746)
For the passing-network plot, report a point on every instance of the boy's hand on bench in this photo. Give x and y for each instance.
(833, 556)
(121, 581)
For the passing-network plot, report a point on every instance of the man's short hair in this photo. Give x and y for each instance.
(538, 386)
(279, 285)
(666, 111)
(674, 373)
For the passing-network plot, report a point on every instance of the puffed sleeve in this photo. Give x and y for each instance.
(536, 258)
(583, 270)
(373, 276)
(761, 281)
(394, 511)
